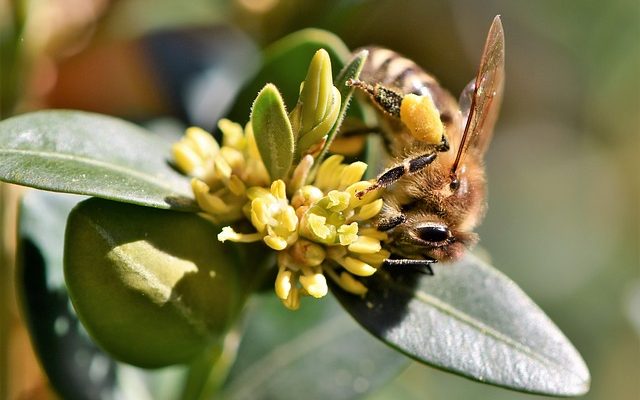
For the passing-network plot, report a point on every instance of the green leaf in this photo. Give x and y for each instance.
(84, 153)
(317, 352)
(350, 71)
(152, 287)
(272, 131)
(471, 320)
(285, 64)
(66, 353)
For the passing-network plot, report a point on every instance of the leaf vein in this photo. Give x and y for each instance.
(93, 162)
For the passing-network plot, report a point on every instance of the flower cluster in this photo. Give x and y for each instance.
(318, 229)
(266, 175)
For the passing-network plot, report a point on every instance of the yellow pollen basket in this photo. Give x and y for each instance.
(422, 118)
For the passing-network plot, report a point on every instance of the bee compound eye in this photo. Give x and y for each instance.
(434, 233)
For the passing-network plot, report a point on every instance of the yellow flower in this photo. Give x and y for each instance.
(311, 217)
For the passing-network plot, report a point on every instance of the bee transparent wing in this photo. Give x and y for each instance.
(480, 100)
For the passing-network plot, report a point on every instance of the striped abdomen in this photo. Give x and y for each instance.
(393, 71)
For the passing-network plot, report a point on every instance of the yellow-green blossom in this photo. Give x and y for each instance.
(221, 174)
(319, 227)
(311, 216)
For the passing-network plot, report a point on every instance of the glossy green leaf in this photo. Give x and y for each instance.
(84, 153)
(272, 131)
(317, 352)
(285, 64)
(350, 71)
(76, 368)
(152, 287)
(471, 320)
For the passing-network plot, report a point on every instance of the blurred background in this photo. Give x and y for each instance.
(564, 202)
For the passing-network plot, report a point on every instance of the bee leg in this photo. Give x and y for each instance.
(444, 144)
(392, 175)
(388, 100)
(422, 266)
(360, 132)
(391, 222)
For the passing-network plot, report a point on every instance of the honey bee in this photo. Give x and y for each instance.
(434, 188)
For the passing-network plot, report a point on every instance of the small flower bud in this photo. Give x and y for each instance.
(357, 267)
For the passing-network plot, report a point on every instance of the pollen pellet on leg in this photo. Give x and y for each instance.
(422, 118)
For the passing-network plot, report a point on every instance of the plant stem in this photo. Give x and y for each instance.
(207, 373)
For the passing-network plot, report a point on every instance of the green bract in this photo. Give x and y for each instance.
(318, 105)
(272, 131)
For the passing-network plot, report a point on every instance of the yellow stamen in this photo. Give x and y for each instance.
(293, 300)
(232, 134)
(315, 285)
(203, 143)
(284, 282)
(236, 186)
(229, 234)
(375, 259)
(352, 173)
(318, 226)
(350, 284)
(278, 189)
(347, 234)
(357, 267)
(275, 242)
(374, 233)
(370, 210)
(365, 245)
(338, 200)
(186, 158)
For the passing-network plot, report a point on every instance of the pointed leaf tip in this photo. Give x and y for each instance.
(471, 320)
